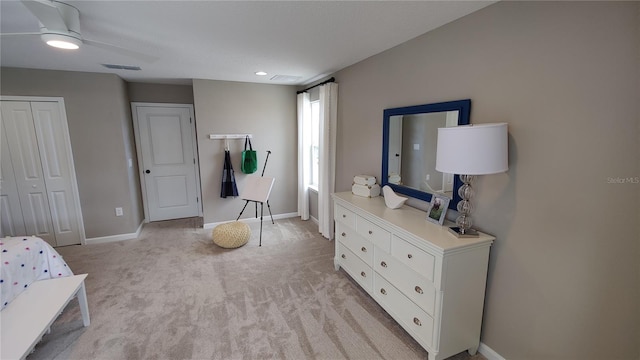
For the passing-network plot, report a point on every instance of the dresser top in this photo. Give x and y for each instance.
(413, 221)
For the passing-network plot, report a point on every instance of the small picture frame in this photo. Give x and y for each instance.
(437, 208)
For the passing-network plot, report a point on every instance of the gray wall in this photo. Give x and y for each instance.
(564, 272)
(160, 93)
(266, 111)
(101, 133)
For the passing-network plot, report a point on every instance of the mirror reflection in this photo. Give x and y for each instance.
(412, 151)
(409, 149)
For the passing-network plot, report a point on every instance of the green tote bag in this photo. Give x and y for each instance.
(249, 158)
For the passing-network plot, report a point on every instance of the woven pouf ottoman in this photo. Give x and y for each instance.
(231, 235)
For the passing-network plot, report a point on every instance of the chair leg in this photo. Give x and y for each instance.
(256, 210)
(245, 206)
(261, 211)
(269, 207)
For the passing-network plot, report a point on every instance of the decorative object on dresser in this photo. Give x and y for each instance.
(471, 150)
(364, 180)
(437, 209)
(365, 185)
(432, 284)
(391, 199)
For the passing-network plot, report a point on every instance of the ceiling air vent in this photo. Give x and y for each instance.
(286, 78)
(122, 67)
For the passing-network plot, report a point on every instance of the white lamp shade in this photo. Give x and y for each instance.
(473, 149)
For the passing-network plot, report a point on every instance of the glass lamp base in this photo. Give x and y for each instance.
(469, 233)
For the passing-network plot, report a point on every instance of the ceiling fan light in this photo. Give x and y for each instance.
(62, 41)
(62, 44)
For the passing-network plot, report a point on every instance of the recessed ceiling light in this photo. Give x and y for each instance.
(261, 73)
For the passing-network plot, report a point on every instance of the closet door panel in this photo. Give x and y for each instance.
(23, 148)
(57, 171)
(37, 209)
(11, 220)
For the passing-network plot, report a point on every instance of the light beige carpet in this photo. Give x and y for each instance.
(173, 294)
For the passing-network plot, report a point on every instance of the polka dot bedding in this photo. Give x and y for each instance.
(26, 259)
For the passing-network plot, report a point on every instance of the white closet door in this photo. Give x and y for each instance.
(23, 147)
(56, 170)
(11, 221)
(37, 155)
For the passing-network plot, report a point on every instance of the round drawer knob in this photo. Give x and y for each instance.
(344, 256)
(344, 234)
(383, 264)
(364, 249)
(363, 274)
(383, 291)
(409, 256)
(344, 216)
(370, 232)
(419, 290)
(417, 321)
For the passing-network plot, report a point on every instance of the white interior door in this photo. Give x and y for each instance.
(165, 137)
(17, 120)
(56, 171)
(37, 155)
(395, 145)
(11, 221)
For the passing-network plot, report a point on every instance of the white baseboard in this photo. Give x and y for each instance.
(112, 238)
(489, 353)
(252, 220)
(315, 221)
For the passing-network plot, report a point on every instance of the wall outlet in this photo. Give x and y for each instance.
(119, 211)
(427, 177)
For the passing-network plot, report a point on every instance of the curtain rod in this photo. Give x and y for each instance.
(322, 83)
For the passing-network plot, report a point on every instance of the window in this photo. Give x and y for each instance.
(315, 142)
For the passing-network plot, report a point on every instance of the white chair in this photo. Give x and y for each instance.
(257, 189)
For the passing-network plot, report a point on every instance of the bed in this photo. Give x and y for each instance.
(35, 286)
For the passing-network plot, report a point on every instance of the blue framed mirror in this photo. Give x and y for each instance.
(409, 141)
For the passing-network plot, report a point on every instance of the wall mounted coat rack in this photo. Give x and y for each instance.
(229, 136)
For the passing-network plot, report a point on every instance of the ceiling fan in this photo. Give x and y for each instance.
(60, 27)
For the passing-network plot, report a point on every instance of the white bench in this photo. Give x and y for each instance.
(25, 320)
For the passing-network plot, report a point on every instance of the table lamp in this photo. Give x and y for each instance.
(471, 150)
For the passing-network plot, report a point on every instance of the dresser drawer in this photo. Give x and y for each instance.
(417, 288)
(374, 233)
(417, 259)
(353, 265)
(354, 242)
(345, 216)
(413, 319)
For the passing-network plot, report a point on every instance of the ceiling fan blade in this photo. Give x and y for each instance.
(20, 34)
(126, 52)
(47, 13)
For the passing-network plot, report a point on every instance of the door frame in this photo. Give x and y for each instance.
(69, 152)
(194, 144)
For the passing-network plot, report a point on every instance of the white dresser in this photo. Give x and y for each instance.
(429, 281)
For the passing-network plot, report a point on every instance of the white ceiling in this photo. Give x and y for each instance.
(227, 40)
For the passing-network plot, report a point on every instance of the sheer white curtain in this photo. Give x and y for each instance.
(327, 157)
(304, 154)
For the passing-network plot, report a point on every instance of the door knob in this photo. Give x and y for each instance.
(148, 171)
